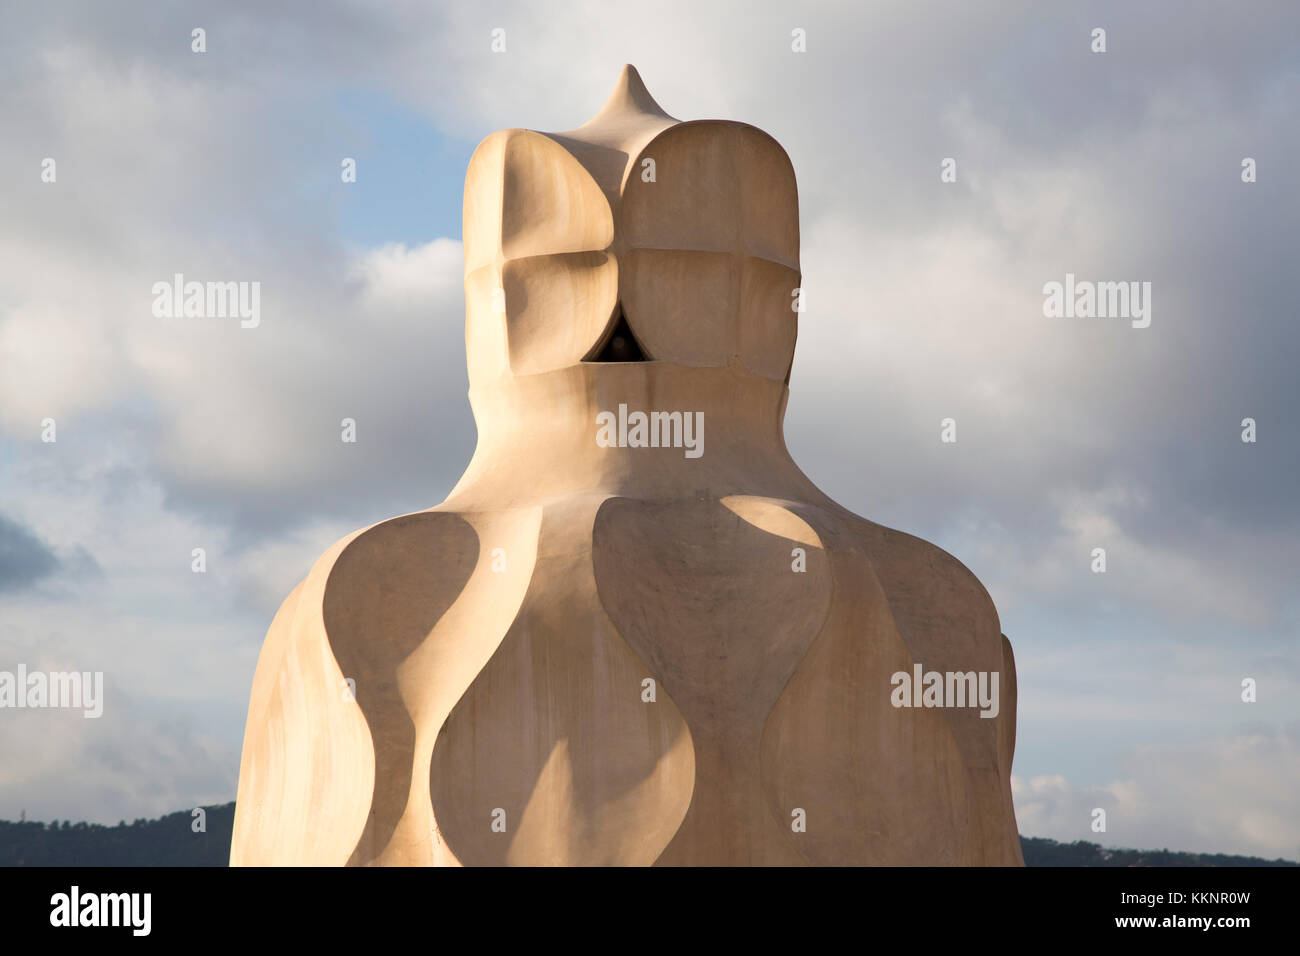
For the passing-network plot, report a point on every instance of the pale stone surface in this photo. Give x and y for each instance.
(500, 641)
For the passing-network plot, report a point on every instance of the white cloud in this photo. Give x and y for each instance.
(1227, 794)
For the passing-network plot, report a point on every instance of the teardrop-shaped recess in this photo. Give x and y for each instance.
(620, 345)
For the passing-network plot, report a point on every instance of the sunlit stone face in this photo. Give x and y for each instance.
(632, 238)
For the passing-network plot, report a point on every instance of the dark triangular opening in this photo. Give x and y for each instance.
(621, 345)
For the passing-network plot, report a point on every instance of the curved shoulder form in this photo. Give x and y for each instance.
(951, 628)
(843, 747)
(942, 609)
(301, 732)
(359, 669)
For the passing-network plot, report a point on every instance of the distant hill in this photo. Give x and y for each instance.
(171, 841)
(1040, 852)
(168, 841)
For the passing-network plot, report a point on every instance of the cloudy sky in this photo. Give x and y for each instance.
(924, 302)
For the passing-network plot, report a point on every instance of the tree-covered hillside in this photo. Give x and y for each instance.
(172, 841)
(168, 841)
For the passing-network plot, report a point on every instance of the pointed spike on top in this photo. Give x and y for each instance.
(630, 97)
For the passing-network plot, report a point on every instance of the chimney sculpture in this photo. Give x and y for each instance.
(635, 633)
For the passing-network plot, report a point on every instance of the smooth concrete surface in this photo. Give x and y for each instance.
(628, 655)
